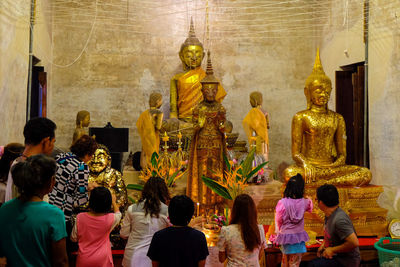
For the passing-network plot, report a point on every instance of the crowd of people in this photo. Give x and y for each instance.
(158, 229)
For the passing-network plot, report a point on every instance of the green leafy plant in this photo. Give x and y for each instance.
(235, 178)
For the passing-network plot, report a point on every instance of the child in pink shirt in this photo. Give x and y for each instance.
(289, 222)
(92, 229)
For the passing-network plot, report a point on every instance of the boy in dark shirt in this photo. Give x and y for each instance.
(179, 245)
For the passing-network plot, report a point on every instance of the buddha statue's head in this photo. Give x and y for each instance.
(155, 100)
(318, 86)
(101, 160)
(209, 83)
(83, 118)
(192, 52)
(256, 99)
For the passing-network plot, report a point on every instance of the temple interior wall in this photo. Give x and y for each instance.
(14, 63)
(122, 65)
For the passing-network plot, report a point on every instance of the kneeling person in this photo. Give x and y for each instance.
(340, 246)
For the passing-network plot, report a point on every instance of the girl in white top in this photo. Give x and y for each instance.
(243, 241)
(142, 220)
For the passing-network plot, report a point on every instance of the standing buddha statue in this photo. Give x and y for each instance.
(149, 125)
(185, 89)
(256, 123)
(319, 138)
(82, 121)
(208, 143)
(100, 172)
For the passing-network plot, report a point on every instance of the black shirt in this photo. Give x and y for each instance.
(178, 247)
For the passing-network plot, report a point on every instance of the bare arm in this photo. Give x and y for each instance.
(350, 243)
(222, 256)
(59, 253)
(173, 96)
(202, 263)
(340, 141)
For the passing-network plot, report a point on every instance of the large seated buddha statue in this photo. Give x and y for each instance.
(185, 89)
(319, 138)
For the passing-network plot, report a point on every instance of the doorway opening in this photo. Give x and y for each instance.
(350, 104)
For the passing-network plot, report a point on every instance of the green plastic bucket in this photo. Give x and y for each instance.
(388, 251)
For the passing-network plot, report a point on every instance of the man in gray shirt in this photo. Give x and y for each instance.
(340, 246)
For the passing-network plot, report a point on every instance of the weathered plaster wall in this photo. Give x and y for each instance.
(14, 63)
(122, 65)
(14, 44)
(384, 93)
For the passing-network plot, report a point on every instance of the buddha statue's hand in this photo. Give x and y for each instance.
(309, 173)
(201, 121)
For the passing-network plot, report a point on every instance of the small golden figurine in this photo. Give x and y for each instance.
(82, 121)
(185, 89)
(319, 138)
(149, 125)
(100, 171)
(208, 143)
(256, 123)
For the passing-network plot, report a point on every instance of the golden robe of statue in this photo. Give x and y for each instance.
(100, 171)
(319, 138)
(185, 89)
(256, 121)
(149, 124)
(208, 144)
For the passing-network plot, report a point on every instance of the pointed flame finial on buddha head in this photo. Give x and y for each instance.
(316, 77)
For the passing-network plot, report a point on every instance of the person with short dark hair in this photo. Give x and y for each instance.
(142, 220)
(289, 222)
(39, 134)
(92, 229)
(71, 188)
(340, 246)
(33, 231)
(242, 242)
(179, 245)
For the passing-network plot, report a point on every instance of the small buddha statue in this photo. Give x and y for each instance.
(208, 143)
(82, 121)
(149, 125)
(319, 138)
(100, 172)
(256, 125)
(185, 89)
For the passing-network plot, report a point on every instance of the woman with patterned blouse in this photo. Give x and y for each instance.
(72, 175)
(243, 241)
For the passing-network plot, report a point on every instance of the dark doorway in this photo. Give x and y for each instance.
(38, 92)
(350, 104)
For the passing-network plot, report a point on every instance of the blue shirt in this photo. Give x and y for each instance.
(27, 230)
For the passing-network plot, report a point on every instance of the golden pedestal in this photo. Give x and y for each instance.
(360, 203)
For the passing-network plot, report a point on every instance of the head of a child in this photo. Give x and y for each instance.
(181, 210)
(328, 195)
(294, 187)
(100, 200)
(34, 176)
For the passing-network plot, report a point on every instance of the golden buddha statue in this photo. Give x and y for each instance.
(208, 143)
(185, 89)
(149, 125)
(256, 125)
(319, 138)
(100, 172)
(82, 121)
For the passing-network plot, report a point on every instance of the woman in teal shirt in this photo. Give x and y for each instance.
(33, 231)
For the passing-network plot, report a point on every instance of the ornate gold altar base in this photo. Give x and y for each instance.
(360, 203)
